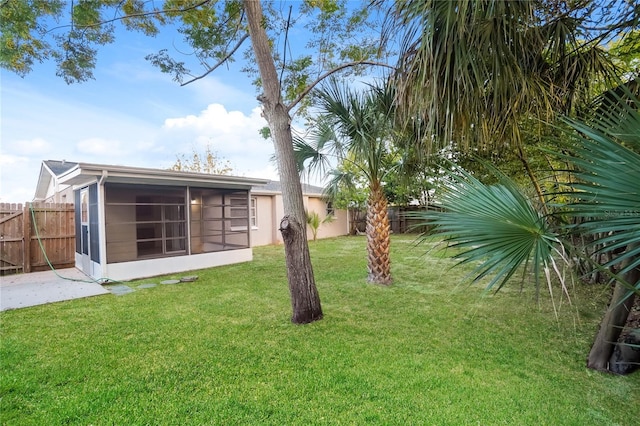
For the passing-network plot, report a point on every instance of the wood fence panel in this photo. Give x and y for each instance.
(11, 238)
(31, 231)
(54, 232)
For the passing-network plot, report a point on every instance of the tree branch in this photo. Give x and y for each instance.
(133, 15)
(220, 62)
(311, 86)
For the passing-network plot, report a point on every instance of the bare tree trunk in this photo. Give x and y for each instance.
(305, 300)
(378, 236)
(613, 321)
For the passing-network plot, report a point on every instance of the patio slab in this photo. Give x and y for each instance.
(39, 288)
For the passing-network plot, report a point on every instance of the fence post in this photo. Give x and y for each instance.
(26, 238)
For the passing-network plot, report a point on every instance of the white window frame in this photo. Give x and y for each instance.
(253, 216)
(253, 213)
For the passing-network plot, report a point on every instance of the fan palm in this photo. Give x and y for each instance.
(354, 127)
(495, 227)
(499, 227)
(606, 200)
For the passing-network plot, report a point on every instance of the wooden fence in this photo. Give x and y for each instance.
(28, 232)
(400, 219)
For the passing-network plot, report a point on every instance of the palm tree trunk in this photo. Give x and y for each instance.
(613, 321)
(378, 236)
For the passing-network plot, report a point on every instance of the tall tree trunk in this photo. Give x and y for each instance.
(614, 320)
(305, 300)
(378, 236)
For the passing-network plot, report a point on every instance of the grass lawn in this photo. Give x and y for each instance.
(221, 350)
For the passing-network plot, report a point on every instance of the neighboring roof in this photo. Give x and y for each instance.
(50, 170)
(84, 173)
(275, 187)
(59, 167)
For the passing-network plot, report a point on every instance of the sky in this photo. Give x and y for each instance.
(130, 115)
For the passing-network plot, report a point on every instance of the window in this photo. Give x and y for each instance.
(330, 210)
(253, 213)
(239, 213)
(239, 222)
(144, 222)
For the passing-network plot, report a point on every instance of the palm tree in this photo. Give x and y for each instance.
(314, 222)
(355, 127)
(500, 228)
(473, 70)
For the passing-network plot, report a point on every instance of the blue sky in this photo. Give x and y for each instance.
(131, 114)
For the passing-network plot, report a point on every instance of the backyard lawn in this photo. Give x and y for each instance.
(221, 350)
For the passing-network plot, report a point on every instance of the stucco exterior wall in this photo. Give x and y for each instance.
(327, 230)
(264, 232)
(270, 210)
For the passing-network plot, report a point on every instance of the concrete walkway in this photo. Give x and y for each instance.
(38, 288)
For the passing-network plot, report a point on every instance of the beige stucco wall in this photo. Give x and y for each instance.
(264, 233)
(327, 230)
(270, 210)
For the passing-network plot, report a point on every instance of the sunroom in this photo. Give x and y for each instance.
(133, 222)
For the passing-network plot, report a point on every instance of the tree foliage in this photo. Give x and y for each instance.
(471, 70)
(202, 162)
(499, 227)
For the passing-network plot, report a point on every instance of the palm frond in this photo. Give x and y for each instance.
(606, 195)
(495, 226)
(338, 179)
(315, 153)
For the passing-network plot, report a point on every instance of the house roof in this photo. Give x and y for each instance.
(275, 187)
(84, 173)
(59, 167)
(72, 173)
(49, 171)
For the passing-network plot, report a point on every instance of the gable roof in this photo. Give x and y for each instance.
(59, 167)
(49, 172)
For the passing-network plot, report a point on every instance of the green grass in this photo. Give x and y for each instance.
(222, 350)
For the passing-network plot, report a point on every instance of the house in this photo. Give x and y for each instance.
(134, 222)
(269, 209)
(49, 189)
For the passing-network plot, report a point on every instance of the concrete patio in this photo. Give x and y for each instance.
(39, 288)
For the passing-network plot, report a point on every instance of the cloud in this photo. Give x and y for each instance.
(236, 92)
(231, 134)
(31, 146)
(216, 119)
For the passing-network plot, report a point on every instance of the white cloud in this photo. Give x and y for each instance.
(236, 93)
(31, 146)
(231, 134)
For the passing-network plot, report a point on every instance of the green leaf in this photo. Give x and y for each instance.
(495, 226)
